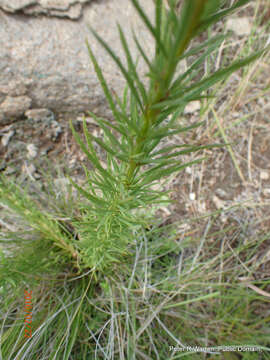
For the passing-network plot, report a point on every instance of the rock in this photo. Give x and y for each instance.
(29, 169)
(221, 193)
(219, 204)
(56, 130)
(192, 107)
(264, 175)
(48, 57)
(266, 192)
(74, 12)
(61, 8)
(88, 120)
(3, 165)
(13, 107)
(38, 114)
(6, 137)
(32, 151)
(13, 88)
(241, 26)
(10, 170)
(15, 5)
(201, 206)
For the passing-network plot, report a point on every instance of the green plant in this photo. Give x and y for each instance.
(107, 268)
(145, 116)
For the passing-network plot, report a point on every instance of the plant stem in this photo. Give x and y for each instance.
(160, 89)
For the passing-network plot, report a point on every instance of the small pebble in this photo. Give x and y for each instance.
(241, 26)
(192, 107)
(266, 192)
(219, 204)
(3, 165)
(32, 151)
(38, 114)
(202, 207)
(6, 137)
(10, 170)
(264, 175)
(221, 193)
(57, 130)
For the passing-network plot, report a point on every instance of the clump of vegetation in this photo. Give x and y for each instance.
(106, 276)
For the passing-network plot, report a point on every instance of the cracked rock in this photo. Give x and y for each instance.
(60, 8)
(47, 60)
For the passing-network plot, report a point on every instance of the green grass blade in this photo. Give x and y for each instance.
(158, 23)
(211, 80)
(164, 132)
(194, 68)
(143, 54)
(131, 65)
(121, 67)
(102, 81)
(205, 24)
(194, 50)
(150, 27)
(90, 155)
(157, 175)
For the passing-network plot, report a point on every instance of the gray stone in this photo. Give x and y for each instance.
(192, 107)
(13, 88)
(56, 130)
(74, 12)
(241, 26)
(38, 114)
(32, 151)
(15, 5)
(13, 107)
(29, 169)
(48, 57)
(62, 8)
(6, 137)
(264, 175)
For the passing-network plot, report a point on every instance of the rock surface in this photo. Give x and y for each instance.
(12, 107)
(44, 61)
(241, 26)
(38, 114)
(62, 8)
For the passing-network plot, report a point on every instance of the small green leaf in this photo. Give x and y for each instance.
(165, 131)
(166, 172)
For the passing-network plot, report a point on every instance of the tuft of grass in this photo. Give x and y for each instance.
(168, 296)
